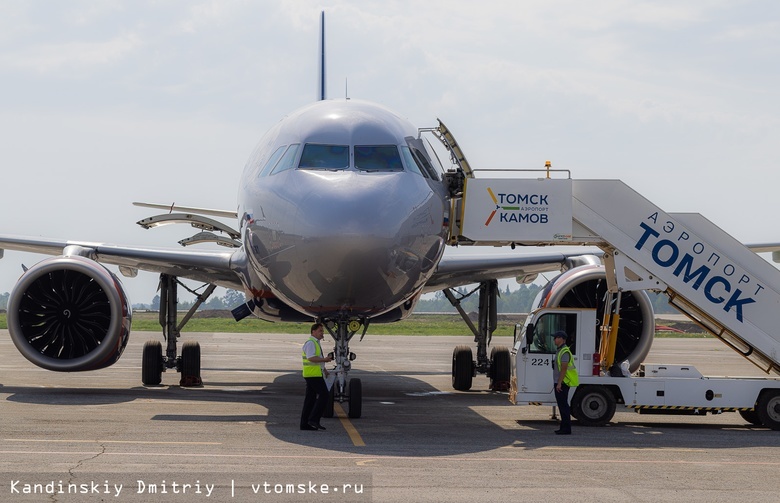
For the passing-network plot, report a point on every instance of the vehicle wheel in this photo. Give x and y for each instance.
(462, 368)
(152, 363)
(595, 405)
(328, 412)
(355, 398)
(751, 416)
(575, 410)
(190, 364)
(768, 409)
(500, 368)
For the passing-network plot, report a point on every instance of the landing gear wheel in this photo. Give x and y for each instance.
(152, 363)
(768, 409)
(594, 405)
(355, 398)
(462, 368)
(328, 411)
(500, 368)
(190, 364)
(751, 416)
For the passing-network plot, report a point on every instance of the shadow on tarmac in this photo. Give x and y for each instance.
(402, 416)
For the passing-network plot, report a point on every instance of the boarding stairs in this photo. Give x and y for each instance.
(714, 279)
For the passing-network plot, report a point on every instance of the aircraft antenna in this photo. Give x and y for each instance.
(321, 83)
(346, 88)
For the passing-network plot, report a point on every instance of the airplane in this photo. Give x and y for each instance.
(343, 216)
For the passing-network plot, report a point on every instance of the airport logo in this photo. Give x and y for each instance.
(519, 208)
(515, 210)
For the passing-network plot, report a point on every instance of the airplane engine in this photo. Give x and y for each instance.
(586, 287)
(69, 314)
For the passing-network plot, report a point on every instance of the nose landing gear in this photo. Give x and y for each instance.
(345, 390)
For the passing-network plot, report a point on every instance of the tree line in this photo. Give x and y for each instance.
(509, 301)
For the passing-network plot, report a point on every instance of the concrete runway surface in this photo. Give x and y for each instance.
(102, 436)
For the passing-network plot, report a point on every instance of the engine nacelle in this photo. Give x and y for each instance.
(69, 314)
(586, 287)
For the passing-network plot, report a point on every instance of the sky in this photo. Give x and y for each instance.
(106, 103)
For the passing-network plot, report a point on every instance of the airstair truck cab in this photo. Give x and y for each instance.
(654, 388)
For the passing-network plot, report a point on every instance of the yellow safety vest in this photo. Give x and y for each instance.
(570, 379)
(311, 369)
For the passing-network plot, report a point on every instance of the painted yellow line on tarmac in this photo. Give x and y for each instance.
(357, 440)
(106, 441)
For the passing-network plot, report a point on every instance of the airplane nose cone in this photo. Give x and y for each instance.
(360, 246)
(352, 205)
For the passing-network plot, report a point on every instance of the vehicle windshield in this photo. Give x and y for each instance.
(314, 156)
(377, 158)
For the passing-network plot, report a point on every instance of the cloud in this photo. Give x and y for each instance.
(70, 56)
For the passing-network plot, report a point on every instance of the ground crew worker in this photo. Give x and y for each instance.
(313, 371)
(564, 378)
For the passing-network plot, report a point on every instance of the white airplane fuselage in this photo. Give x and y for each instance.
(342, 212)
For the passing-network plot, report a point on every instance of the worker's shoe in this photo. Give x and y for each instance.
(561, 432)
(316, 426)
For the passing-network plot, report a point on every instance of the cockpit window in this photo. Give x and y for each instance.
(271, 162)
(288, 159)
(378, 158)
(425, 157)
(411, 164)
(422, 161)
(315, 156)
(433, 157)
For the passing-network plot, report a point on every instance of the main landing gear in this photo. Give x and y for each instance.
(345, 390)
(498, 365)
(153, 363)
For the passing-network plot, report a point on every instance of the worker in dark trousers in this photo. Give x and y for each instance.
(317, 394)
(564, 377)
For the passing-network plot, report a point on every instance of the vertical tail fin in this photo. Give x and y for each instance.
(321, 84)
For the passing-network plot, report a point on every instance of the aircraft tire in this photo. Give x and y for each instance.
(751, 416)
(328, 412)
(500, 368)
(462, 368)
(355, 398)
(594, 405)
(768, 409)
(190, 364)
(152, 363)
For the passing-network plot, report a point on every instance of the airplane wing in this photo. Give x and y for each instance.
(764, 247)
(463, 270)
(206, 266)
(455, 270)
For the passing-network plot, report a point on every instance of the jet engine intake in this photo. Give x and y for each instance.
(69, 314)
(586, 287)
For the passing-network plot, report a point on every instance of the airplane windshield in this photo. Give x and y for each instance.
(421, 156)
(377, 158)
(272, 161)
(288, 160)
(411, 164)
(315, 156)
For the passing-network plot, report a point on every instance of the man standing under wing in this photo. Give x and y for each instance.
(313, 371)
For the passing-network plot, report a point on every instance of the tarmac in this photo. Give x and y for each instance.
(102, 436)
